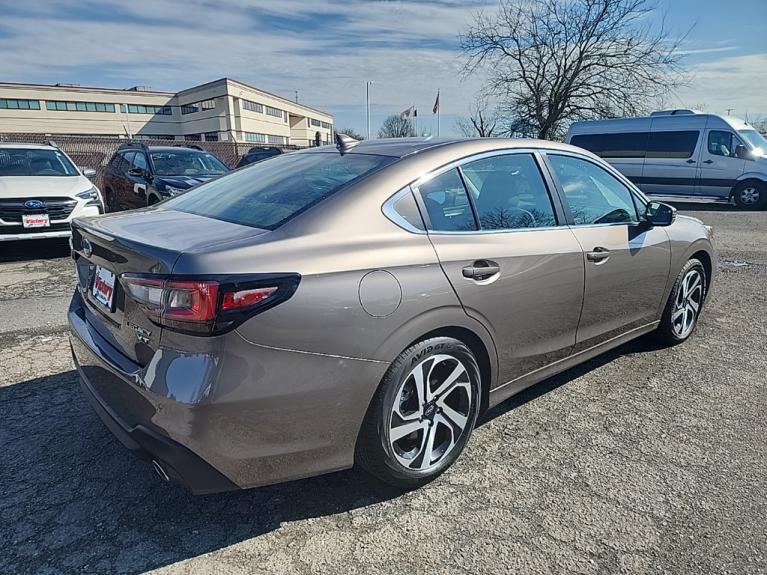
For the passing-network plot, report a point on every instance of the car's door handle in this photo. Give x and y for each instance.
(690, 161)
(481, 270)
(598, 255)
(708, 161)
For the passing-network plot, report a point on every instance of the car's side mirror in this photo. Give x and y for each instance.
(88, 172)
(660, 214)
(139, 173)
(740, 151)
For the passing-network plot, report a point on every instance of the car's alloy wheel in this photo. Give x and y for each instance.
(431, 410)
(687, 304)
(422, 414)
(684, 304)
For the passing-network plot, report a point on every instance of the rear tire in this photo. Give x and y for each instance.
(750, 195)
(684, 304)
(422, 414)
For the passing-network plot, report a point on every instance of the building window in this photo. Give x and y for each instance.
(285, 115)
(326, 125)
(252, 106)
(198, 106)
(60, 106)
(211, 136)
(142, 109)
(14, 104)
(276, 139)
(315, 122)
(193, 137)
(273, 112)
(251, 137)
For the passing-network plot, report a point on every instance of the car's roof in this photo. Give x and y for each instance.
(27, 146)
(401, 147)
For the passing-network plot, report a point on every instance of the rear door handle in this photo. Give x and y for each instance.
(708, 161)
(598, 255)
(481, 270)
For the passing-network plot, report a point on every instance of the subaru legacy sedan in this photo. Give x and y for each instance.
(365, 303)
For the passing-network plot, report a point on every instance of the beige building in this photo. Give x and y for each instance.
(221, 110)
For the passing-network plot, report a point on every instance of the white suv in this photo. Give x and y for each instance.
(41, 190)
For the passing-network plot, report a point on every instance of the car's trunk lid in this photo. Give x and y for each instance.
(140, 242)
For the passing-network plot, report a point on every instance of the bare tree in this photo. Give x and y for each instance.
(396, 127)
(351, 133)
(482, 121)
(554, 61)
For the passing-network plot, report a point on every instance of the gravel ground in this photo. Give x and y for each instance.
(644, 460)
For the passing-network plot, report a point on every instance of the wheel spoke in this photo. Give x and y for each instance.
(421, 385)
(450, 415)
(694, 305)
(445, 386)
(405, 429)
(677, 313)
(695, 282)
(428, 447)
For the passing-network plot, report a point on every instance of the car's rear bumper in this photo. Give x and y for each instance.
(214, 421)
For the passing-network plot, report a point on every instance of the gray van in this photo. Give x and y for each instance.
(683, 154)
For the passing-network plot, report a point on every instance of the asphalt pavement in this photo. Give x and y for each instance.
(644, 460)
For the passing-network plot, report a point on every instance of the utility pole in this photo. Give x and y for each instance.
(367, 104)
(729, 110)
(296, 96)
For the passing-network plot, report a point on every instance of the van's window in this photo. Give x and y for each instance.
(755, 139)
(594, 195)
(624, 145)
(267, 194)
(509, 192)
(447, 204)
(34, 162)
(721, 143)
(672, 144)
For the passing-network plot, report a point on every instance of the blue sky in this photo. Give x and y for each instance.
(327, 50)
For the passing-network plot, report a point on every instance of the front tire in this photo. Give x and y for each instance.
(422, 414)
(684, 304)
(750, 195)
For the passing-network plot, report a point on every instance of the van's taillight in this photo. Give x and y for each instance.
(207, 305)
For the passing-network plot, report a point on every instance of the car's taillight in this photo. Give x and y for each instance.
(207, 305)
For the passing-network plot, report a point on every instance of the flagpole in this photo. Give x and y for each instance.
(439, 111)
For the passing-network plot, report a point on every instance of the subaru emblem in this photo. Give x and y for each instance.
(87, 247)
(33, 204)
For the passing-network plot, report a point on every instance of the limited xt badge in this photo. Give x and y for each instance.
(143, 335)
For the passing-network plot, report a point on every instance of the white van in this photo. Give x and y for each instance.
(683, 154)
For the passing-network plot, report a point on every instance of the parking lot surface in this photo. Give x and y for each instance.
(644, 460)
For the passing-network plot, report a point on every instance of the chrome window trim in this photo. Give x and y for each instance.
(388, 210)
(486, 232)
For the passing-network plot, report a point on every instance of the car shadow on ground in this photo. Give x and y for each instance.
(19, 251)
(72, 498)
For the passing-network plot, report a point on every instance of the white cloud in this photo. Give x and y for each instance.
(737, 82)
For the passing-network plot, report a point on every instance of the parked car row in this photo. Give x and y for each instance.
(41, 189)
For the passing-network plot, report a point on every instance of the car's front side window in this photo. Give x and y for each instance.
(509, 192)
(593, 195)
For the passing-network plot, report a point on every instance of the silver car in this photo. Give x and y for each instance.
(365, 303)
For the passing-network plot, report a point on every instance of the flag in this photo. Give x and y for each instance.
(436, 104)
(406, 113)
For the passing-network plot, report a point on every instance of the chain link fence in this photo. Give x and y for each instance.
(95, 152)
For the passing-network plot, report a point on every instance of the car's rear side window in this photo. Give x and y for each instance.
(269, 193)
(447, 203)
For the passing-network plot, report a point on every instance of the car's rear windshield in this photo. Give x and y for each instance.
(34, 162)
(269, 193)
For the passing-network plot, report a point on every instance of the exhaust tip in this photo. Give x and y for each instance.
(160, 471)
